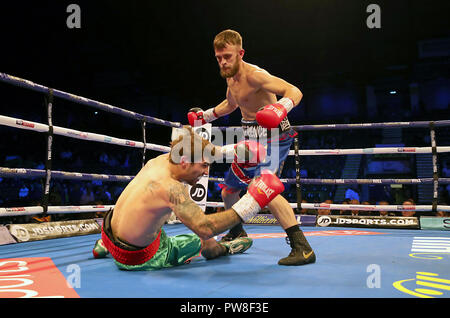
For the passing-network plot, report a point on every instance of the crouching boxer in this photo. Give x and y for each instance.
(132, 233)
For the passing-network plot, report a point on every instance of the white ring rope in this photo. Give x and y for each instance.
(38, 127)
(32, 173)
(32, 210)
(359, 207)
(369, 151)
(29, 125)
(350, 181)
(20, 82)
(72, 133)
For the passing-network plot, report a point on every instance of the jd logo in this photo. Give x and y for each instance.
(415, 286)
(198, 192)
(324, 221)
(20, 233)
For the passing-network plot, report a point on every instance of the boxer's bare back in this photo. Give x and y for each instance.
(142, 208)
(148, 200)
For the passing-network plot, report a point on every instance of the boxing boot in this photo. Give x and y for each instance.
(99, 250)
(239, 245)
(301, 252)
(234, 233)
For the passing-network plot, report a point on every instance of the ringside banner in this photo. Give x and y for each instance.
(51, 230)
(5, 236)
(269, 219)
(434, 223)
(390, 222)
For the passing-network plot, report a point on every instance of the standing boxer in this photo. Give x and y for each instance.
(254, 91)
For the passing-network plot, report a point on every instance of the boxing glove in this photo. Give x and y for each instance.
(198, 117)
(249, 153)
(270, 116)
(260, 192)
(246, 153)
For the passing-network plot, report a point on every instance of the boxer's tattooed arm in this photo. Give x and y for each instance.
(186, 209)
(193, 216)
(178, 195)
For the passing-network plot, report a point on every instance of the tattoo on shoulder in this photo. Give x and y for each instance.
(178, 194)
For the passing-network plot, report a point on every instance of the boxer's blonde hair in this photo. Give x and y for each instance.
(191, 145)
(227, 37)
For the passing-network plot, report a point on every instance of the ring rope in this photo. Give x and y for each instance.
(406, 124)
(350, 181)
(31, 210)
(32, 173)
(370, 151)
(63, 209)
(20, 82)
(50, 129)
(38, 127)
(29, 125)
(359, 207)
(18, 123)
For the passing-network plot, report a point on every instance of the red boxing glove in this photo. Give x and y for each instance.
(261, 191)
(249, 153)
(198, 117)
(270, 116)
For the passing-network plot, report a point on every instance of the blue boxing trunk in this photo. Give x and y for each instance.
(277, 142)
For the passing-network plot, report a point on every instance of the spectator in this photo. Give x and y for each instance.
(445, 170)
(364, 212)
(88, 195)
(103, 194)
(354, 212)
(385, 213)
(352, 194)
(442, 214)
(24, 191)
(304, 210)
(325, 211)
(75, 193)
(408, 213)
(343, 212)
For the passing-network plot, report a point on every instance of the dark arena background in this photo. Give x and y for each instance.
(92, 90)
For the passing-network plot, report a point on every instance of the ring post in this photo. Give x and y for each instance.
(435, 170)
(48, 159)
(297, 174)
(144, 139)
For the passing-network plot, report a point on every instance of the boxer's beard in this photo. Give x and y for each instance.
(231, 71)
(192, 182)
